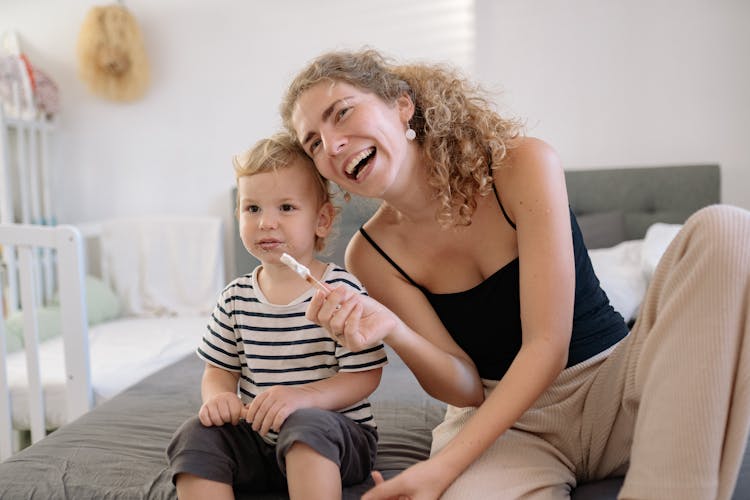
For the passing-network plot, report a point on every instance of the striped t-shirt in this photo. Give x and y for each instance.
(271, 344)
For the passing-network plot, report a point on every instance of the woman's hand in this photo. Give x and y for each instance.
(354, 320)
(422, 481)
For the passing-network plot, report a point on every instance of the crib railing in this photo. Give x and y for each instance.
(25, 190)
(27, 243)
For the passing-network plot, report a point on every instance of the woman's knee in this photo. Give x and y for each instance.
(725, 223)
(724, 231)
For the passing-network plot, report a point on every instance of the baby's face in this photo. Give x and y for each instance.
(279, 211)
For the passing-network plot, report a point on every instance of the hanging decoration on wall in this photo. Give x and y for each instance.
(26, 92)
(111, 55)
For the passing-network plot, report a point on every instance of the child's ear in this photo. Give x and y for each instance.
(326, 215)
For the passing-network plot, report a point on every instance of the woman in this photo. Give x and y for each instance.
(483, 286)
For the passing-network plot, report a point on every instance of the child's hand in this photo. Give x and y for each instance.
(354, 320)
(272, 407)
(222, 408)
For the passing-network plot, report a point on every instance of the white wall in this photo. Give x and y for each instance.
(626, 82)
(219, 69)
(608, 83)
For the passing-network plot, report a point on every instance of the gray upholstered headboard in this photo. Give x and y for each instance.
(621, 202)
(644, 195)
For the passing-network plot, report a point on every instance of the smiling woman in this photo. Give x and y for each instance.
(448, 103)
(479, 277)
(338, 135)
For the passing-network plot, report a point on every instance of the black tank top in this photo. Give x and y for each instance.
(485, 321)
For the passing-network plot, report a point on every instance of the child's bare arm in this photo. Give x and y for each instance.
(220, 401)
(271, 408)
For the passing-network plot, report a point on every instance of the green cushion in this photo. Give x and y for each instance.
(101, 302)
(49, 326)
(101, 305)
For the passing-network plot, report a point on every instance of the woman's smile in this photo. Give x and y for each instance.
(359, 162)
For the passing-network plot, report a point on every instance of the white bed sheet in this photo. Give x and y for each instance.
(620, 272)
(625, 270)
(122, 352)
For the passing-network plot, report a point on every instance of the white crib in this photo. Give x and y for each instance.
(26, 189)
(165, 272)
(26, 242)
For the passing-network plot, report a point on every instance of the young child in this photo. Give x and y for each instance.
(301, 419)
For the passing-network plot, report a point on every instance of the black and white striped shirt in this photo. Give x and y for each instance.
(272, 344)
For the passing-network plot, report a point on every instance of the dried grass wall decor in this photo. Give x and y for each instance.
(111, 55)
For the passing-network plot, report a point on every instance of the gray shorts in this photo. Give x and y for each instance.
(237, 455)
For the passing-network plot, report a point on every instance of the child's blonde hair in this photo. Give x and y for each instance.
(281, 150)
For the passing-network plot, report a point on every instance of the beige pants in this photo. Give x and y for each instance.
(669, 405)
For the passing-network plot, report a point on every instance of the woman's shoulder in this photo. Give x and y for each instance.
(359, 247)
(528, 149)
(531, 166)
(528, 156)
(363, 250)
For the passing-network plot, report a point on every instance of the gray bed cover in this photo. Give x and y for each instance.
(117, 450)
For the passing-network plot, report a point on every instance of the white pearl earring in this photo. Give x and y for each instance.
(410, 134)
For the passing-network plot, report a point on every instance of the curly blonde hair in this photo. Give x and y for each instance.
(462, 136)
(276, 152)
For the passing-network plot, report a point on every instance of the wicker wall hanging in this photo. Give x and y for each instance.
(111, 56)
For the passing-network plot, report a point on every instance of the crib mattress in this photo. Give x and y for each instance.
(122, 352)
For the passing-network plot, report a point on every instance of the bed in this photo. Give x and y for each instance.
(117, 450)
(144, 311)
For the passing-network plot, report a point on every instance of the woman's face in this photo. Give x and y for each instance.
(355, 138)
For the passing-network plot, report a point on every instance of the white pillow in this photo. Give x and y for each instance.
(621, 277)
(164, 265)
(655, 243)
(625, 270)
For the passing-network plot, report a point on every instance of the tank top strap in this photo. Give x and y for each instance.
(497, 196)
(386, 257)
(505, 214)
